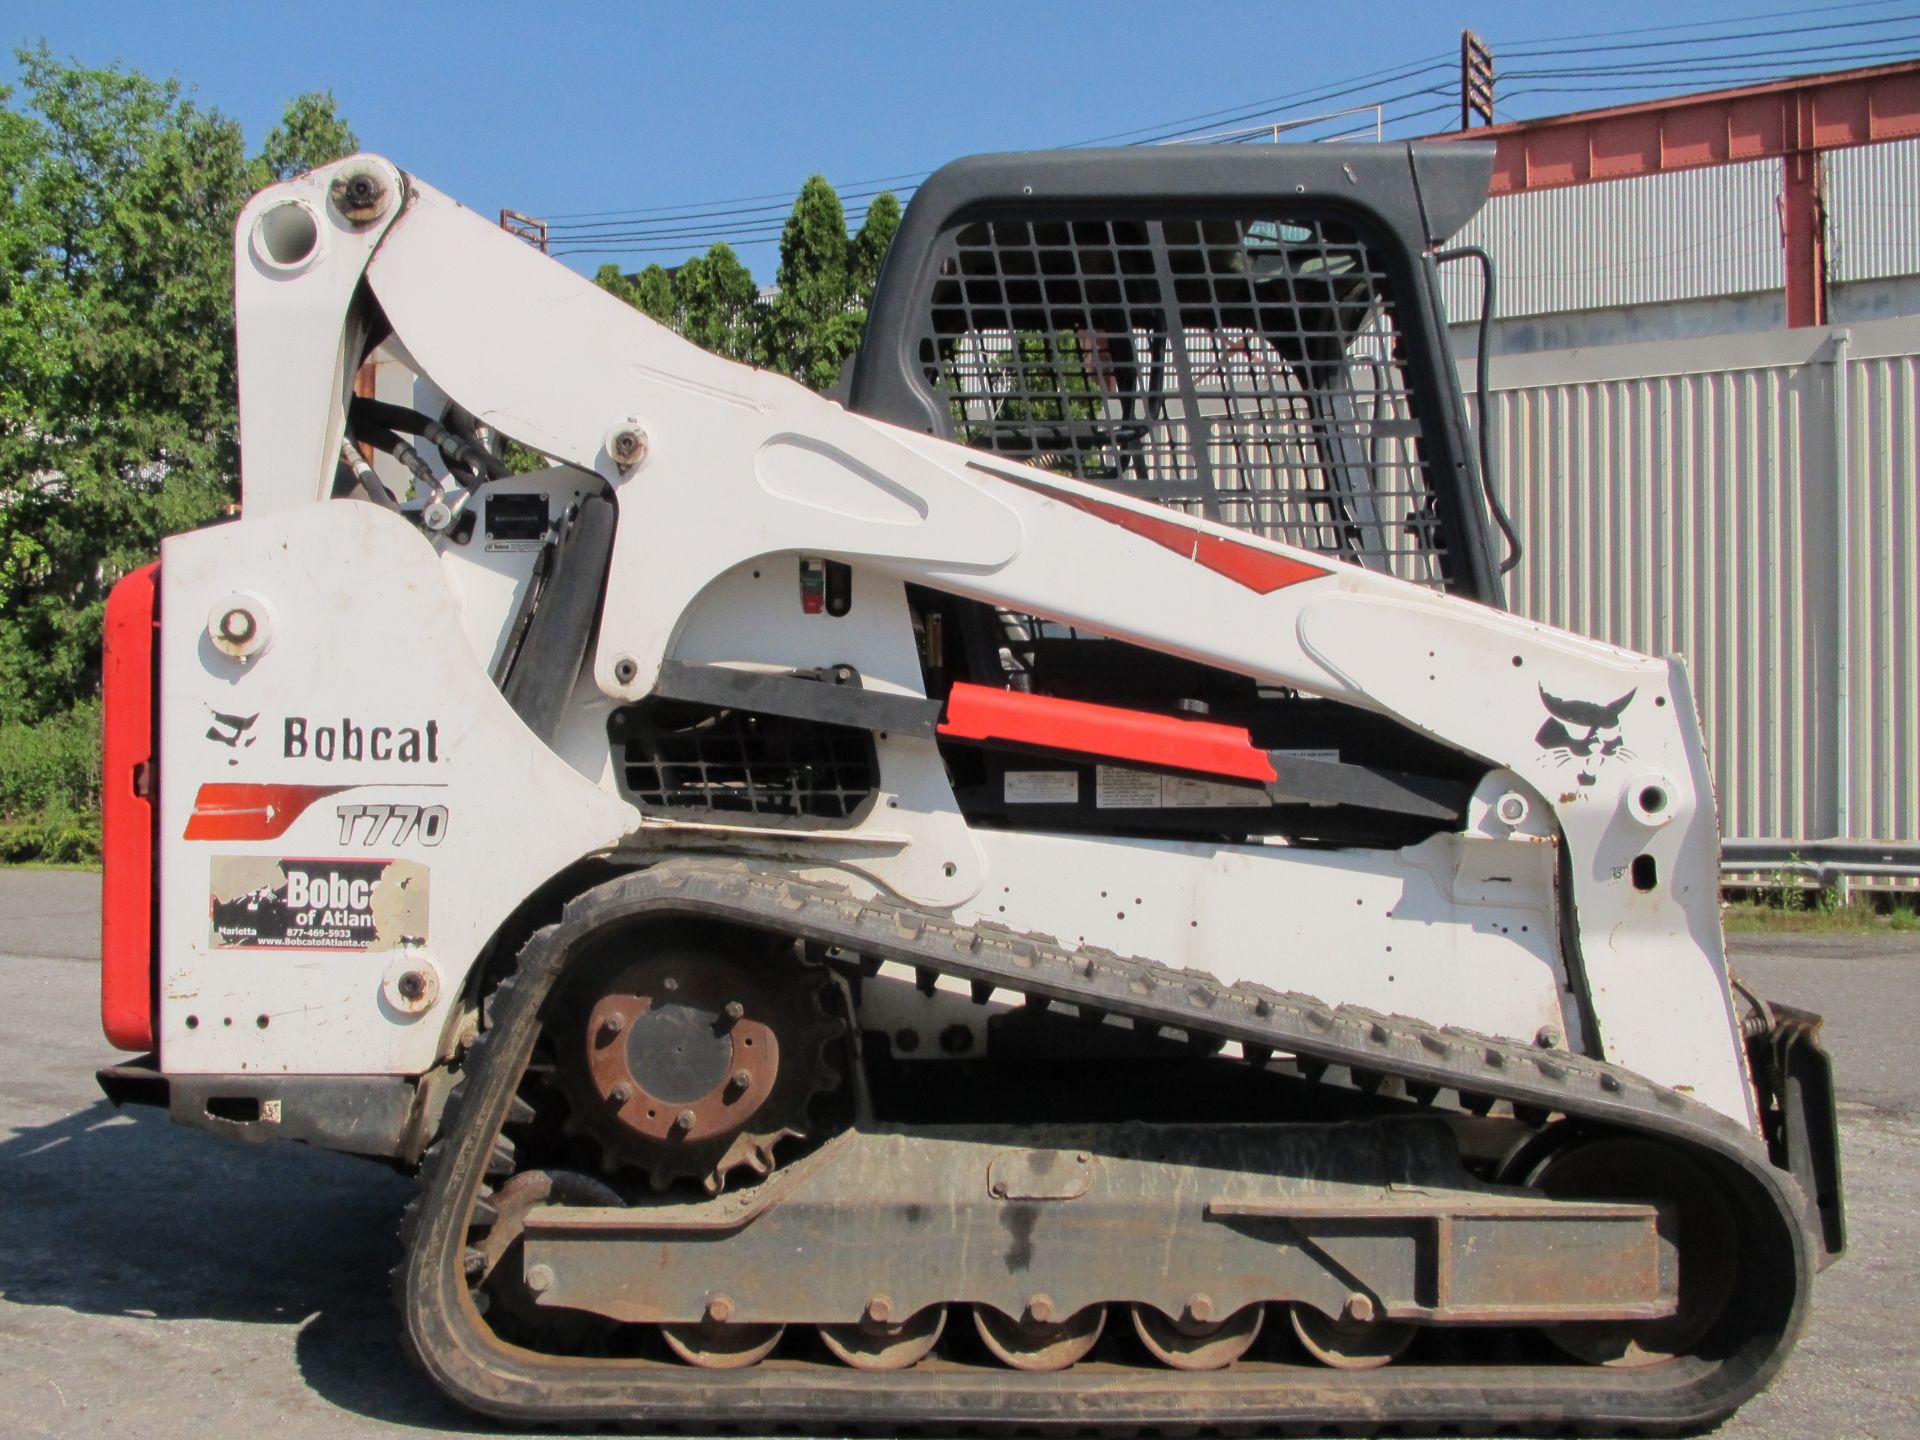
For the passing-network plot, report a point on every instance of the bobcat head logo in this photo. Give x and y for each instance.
(1566, 718)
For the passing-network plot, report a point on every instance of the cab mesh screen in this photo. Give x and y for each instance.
(1248, 371)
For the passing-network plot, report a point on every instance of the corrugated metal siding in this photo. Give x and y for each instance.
(1884, 450)
(1679, 236)
(1873, 211)
(1693, 512)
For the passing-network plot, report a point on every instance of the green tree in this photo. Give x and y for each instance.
(870, 246)
(719, 304)
(651, 291)
(311, 133)
(814, 323)
(117, 200)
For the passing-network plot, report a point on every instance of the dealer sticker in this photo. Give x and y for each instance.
(259, 902)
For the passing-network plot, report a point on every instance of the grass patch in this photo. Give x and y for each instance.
(1781, 916)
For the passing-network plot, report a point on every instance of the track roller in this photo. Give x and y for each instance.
(1187, 1343)
(1348, 1343)
(1035, 1343)
(872, 1344)
(713, 1345)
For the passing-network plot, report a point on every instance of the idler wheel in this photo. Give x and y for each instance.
(495, 1255)
(1031, 1344)
(1695, 1222)
(1189, 1344)
(872, 1345)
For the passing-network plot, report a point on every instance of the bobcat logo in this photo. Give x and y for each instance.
(1566, 717)
(231, 731)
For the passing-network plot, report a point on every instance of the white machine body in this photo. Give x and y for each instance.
(424, 811)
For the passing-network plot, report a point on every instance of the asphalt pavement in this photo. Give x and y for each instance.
(156, 1281)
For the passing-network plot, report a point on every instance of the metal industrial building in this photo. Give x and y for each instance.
(1704, 414)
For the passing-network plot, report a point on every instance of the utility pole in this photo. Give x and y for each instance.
(1476, 80)
(526, 228)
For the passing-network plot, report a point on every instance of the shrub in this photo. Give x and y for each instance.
(50, 787)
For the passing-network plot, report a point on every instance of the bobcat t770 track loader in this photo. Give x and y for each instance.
(1048, 894)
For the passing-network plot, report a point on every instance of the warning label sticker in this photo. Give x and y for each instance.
(259, 902)
(1118, 788)
(1042, 787)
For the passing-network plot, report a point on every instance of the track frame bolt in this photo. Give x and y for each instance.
(614, 1023)
(720, 1309)
(621, 1093)
(1040, 1309)
(880, 1309)
(1200, 1308)
(735, 1010)
(1360, 1309)
(684, 1120)
(539, 1278)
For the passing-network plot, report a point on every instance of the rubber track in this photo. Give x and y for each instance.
(454, 1345)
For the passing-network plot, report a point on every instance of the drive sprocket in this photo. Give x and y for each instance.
(688, 1052)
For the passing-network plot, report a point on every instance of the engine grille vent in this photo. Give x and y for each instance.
(681, 757)
(1247, 370)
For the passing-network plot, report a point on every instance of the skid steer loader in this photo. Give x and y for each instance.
(1048, 894)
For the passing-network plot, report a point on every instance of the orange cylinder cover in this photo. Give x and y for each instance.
(130, 791)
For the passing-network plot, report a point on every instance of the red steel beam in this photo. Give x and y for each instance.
(1721, 127)
(1789, 120)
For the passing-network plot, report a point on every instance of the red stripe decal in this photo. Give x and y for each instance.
(978, 712)
(128, 788)
(251, 812)
(1258, 570)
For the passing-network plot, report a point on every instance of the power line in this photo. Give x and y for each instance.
(735, 200)
(1511, 46)
(781, 207)
(746, 222)
(1387, 76)
(1524, 53)
(1731, 60)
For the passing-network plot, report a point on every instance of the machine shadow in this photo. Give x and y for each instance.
(127, 1215)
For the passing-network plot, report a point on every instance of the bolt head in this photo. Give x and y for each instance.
(735, 1010)
(621, 1093)
(1200, 1307)
(539, 1278)
(1040, 1309)
(614, 1023)
(361, 196)
(628, 446)
(1548, 1038)
(412, 985)
(880, 1309)
(670, 983)
(741, 1079)
(720, 1309)
(1360, 1308)
(238, 625)
(684, 1120)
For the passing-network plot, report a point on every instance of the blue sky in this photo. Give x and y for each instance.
(559, 109)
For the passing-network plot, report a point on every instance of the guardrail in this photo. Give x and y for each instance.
(1826, 863)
